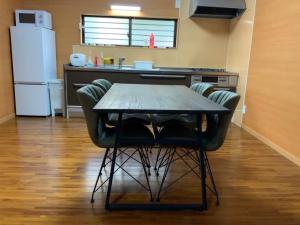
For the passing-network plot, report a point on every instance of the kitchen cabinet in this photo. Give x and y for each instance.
(76, 78)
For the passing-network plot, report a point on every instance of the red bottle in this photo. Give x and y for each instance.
(151, 42)
(96, 61)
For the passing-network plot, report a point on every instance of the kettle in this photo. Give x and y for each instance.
(78, 59)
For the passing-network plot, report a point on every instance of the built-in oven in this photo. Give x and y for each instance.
(220, 82)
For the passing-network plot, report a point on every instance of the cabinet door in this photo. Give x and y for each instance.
(78, 79)
(27, 54)
(32, 100)
(75, 80)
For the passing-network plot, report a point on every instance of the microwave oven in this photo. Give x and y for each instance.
(35, 18)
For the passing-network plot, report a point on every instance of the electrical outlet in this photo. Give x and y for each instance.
(244, 109)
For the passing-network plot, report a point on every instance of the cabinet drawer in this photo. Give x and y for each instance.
(77, 79)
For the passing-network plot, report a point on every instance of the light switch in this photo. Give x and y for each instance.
(177, 4)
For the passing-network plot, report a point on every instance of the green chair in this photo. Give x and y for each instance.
(103, 84)
(159, 120)
(217, 125)
(204, 89)
(131, 134)
(182, 135)
(112, 120)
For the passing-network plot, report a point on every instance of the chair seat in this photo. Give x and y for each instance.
(132, 134)
(178, 134)
(129, 117)
(160, 120)
(183, 135)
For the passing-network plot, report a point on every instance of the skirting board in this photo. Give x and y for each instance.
(236, 123)
(6, 118)
(75, 111)
(274, 146)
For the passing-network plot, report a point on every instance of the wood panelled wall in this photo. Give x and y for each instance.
(6, 84)
(238, 53)
(273, 92)
(201, 42)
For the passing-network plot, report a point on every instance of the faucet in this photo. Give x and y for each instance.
(121, 61)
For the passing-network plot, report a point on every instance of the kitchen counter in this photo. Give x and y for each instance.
(77, 77)
(158, 70)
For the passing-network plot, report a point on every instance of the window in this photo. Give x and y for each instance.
(105, 30)
(128, 31)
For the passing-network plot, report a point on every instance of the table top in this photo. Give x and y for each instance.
(141, 98)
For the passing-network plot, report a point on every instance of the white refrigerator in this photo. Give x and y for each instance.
(34, 65)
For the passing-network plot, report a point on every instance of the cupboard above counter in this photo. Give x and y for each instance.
(77, 77)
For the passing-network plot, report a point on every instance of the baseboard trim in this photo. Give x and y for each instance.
(237, 123)
(6, 118)
(75, 111)
(274, 146)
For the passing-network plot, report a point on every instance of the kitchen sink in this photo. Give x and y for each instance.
(126, 67)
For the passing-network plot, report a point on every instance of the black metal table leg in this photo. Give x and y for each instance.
(202, 162)
(203, 179)
(99, 174)
(158, 206)
(113, 162)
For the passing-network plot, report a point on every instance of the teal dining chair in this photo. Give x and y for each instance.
(204, 89)
(181, 135)
(103, 84)
(159, 120)
(134, 135)
(113, 117)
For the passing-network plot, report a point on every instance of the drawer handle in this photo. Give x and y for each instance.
(222, 89)
(163, 76)
(79, 85)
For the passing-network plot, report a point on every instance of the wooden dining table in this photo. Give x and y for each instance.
(156, 99)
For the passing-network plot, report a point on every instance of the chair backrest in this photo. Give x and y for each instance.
(202, 88)
(89, 96)
(217, 124)
(103, 84)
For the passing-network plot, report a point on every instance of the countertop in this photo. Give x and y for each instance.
(157, 70)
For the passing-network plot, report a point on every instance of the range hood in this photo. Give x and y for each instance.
(227, 9)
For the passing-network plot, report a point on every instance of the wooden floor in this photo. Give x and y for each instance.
(48, 168)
